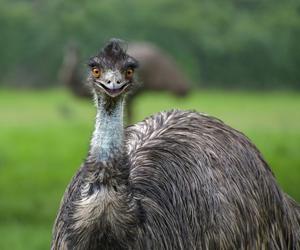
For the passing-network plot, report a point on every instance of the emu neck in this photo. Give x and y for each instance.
(108, 135)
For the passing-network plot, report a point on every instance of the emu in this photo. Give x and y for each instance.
(177, 180)
(157, 72)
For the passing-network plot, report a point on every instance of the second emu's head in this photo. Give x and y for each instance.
(112, 70)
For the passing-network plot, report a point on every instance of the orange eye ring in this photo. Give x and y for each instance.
(96, 72)
(129, 73)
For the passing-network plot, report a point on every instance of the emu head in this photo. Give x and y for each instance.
(112, 70)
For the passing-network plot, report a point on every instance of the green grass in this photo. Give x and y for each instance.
(44, 137)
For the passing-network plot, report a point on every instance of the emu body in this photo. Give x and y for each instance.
(177, 180)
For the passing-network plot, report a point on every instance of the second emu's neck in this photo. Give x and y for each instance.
(108, 135)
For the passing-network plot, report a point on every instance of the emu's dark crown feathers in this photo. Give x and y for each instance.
(113, 55)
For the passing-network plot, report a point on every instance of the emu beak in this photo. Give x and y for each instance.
(112, 83)
(112, 89)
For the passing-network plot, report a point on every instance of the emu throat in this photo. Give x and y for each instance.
(108, 136)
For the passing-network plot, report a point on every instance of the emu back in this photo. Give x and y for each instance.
(185, 181)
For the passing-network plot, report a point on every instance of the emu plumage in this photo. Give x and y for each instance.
(177, 180)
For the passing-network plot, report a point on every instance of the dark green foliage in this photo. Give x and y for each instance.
(237, 43)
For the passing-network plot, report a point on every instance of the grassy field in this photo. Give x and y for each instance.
(44, 137)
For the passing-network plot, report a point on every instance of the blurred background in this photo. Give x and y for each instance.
(237, 60)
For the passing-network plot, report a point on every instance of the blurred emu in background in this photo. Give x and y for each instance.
(158, 72)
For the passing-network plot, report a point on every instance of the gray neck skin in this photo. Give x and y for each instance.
(109, 132)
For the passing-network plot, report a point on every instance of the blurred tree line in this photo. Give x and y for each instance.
(234, 43)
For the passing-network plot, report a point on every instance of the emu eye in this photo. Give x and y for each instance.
(129, 73)
(96, 72)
